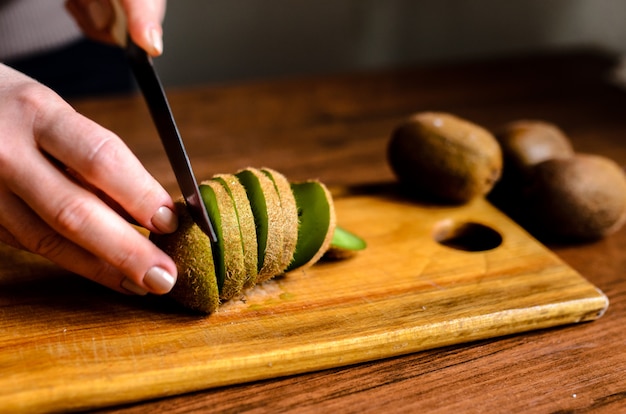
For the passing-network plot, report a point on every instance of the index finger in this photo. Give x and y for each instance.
(144, 23)
(96, 18)
(103, 160)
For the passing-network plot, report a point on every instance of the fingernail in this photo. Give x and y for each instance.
(156, 41)
(165, 220)
(99, 15)
(159, 280)
(132, 287)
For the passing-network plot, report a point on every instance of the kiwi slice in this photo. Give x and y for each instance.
(228, 253)
(344, 244)
(265, 226)
(317, 222)
(268, 216)
(247, 227)
(290, 214)
(190, 248)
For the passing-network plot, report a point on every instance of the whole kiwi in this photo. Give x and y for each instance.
(579, 197)
(441, 156)
(528, 142)
(524, 144)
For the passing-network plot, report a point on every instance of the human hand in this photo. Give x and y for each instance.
(66, 182)
(144, 17)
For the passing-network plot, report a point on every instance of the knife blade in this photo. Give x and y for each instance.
(159, 108)
(158, 105)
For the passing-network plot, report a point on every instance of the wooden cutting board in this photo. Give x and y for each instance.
(67, 344)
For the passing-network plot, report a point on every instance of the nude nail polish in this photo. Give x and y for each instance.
(159, 280)
(156, 41)
(165, 220)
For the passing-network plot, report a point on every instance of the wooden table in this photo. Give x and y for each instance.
(336, 128)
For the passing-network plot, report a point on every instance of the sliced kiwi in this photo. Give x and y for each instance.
(190, 248)
(264, 225)
(247, 227)
(317, 222)
(228, 251)
(290, 215)
(268, 216)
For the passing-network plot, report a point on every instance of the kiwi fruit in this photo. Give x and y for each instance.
(581, 197)
(265, 226)
(344, 245)
(268, 216)
(526, 143)
(290, 215)
(317, 222)
(443, 157)
(228, 253)
(246, 225)
(553, 191)
(190, 248)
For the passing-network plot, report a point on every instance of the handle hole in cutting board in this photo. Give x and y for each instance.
(466, 236)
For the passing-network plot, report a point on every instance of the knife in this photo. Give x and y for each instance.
(158, 105)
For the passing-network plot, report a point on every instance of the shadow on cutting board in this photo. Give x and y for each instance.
(30, 281)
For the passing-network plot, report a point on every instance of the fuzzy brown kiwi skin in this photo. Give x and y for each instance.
(246, 225)
(329, 234)
(578, 198)
(272, 261)
(190, 248)
(445, 158)
(304, 255)
(233, 255)
(526, 143)
(290, 215)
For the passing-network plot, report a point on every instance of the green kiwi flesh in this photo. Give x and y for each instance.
(267, 211)
(250, 211)
(230, 245)
(344, 244)
(246, 225)
(210, 202)
(317, 222)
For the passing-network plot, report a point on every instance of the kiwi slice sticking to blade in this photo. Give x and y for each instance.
(196, 287)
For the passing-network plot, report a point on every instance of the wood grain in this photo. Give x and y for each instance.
(335, 128)
(405, 293)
